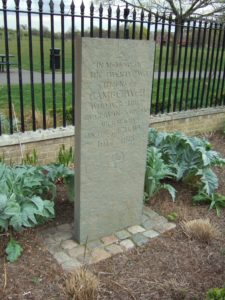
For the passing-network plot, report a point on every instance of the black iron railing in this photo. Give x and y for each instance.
(188, 69)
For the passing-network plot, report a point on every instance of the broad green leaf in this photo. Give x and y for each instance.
(13, 250)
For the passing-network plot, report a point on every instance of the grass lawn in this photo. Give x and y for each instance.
(68, 54)
(176, 93)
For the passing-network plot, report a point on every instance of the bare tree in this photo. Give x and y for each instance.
(181, 10)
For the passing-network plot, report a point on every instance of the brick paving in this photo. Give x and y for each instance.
(70, 255)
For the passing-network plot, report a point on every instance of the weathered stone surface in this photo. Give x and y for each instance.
(150, 233)
(135, 229)
(68, 244)
(61, 257)
(150, 213)
(99, 254)
(75, 252)
(107, 240)
(163, 227)
(122, 234)
(139, 239)
(114, 249)
(127, 244)
(95, 244)
(113, 92)
(62, 236)
(71, 265)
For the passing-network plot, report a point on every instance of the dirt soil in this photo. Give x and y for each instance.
(169, 267)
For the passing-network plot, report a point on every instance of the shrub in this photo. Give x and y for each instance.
(200, 229)
(82, 285)
(215, 200)
(156, 170)
(65, 156)
(216, 294)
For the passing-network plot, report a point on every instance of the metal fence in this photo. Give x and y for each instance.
(188, 69)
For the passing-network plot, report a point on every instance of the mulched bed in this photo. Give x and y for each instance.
(168, 267)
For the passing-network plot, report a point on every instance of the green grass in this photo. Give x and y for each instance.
(49, 104)
(68, 54)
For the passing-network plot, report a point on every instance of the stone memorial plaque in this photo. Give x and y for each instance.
(113, 92)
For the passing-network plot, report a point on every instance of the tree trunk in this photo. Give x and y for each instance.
(176, 41)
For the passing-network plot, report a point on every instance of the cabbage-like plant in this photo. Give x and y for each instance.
(156, 171)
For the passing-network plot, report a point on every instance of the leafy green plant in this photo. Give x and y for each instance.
(156, 170)
(31, 159)
(13, 250)
(22, 190)
(214, 200)
(65, 156)
(189, 158)
(216, 294)
(172, 217)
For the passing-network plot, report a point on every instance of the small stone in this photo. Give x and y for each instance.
(71, 265)
(61, 257)
(150, 233)
(139, 239)
(163, 227)
(94, 244)
(150, 213)
(64, 227)
(53, 248)
(150, 224)
(107, 240)
(144, 218)
(77, 251)
(87, 259)
(68, 244)
(99, 254)
(49, 241)
(62, 236)
(127, 244)
(122, 234)
(136, 229)
(114, 249)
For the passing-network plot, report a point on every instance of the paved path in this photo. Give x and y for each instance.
(68, 77)
(58, 240)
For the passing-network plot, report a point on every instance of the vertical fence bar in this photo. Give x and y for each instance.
(17, 2)
(91, 19)
(141, 24)
(211, 65)
(220, 67)
(117, 22)
(206, 64)
(166, 63)
(149, 24)
(126, 29)
(160, 65)
(82, 8)
(196, 64)
(190, 64)
(201, 64)
(31, 63)
(109, 21)
(72, 7)
(184, 66)
(156, 25)
(178, 66)
(100, 20)
(216, 65)
(62, 6)
(222, 96)
(40, 4)
(134, 24)
(51, 4)
(172, 67)
(4, 2)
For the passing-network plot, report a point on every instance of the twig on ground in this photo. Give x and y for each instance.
(5, 276)
(124, 288)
